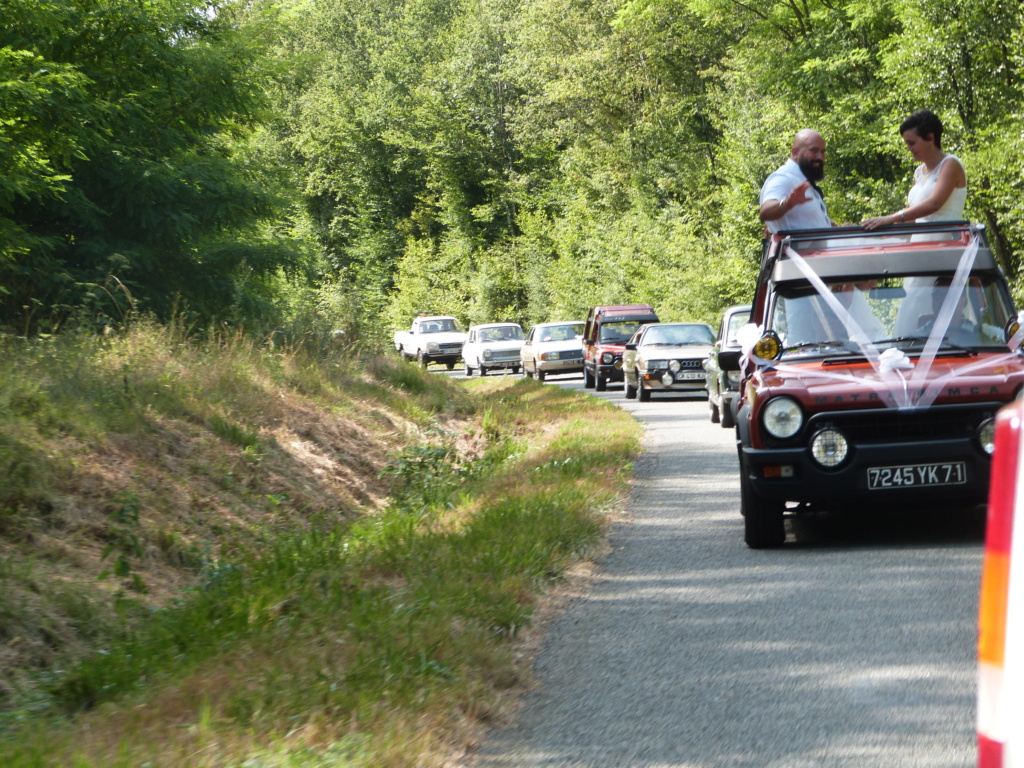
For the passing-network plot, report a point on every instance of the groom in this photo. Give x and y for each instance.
(790, 197)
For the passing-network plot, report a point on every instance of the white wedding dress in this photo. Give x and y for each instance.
(918, 300)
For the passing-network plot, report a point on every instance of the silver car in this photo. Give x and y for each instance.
(723, 367)
(666, 357)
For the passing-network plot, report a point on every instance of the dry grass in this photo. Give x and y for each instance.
(345, 619)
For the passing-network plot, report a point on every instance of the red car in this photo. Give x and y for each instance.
(1001, 616)
(605, 334)
(873, 369)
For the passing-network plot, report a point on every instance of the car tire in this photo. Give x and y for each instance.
(424, 360)
(588, 379)
(713, 407)
(450, 365)
(483, 371)
(541, 375)
(763, 524)
(468, 370)
(600, 383)
(728, 418)
(527, 372)
(515, 369)
(643, 394)
(630, 390)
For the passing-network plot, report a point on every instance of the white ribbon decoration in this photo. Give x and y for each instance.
(892, 360)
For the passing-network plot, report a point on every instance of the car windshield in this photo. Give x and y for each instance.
(566, 332)
(665, 335)
(440, 326)
(618, 332)
(893, 312)
(736, 321)
(501, 333)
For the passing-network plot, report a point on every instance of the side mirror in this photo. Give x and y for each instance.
(631, 346)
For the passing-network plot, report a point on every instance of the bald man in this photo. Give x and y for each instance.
(790, 198)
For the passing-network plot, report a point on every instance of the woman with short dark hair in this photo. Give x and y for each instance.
(940, 182)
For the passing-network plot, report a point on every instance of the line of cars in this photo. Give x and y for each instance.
(616, 343)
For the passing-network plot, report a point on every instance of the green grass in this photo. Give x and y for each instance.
(383, 641)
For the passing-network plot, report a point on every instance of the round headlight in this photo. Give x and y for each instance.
(769, 346)
(667, 379)
(673, 365)
(987, 435)
(607, 358)
(488, 354)
(829, 447)
(733, 377)
(783, 417)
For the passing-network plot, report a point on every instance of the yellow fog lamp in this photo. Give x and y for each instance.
(1012, 326)
(769, 346)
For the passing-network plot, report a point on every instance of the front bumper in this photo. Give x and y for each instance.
(571, 365)
(793, 475)
(611, 372)
(653, 382)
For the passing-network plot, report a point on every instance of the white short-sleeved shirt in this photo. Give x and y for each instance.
(810, 215)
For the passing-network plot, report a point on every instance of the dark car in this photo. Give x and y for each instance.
(605, 334)
(882, 361)
(722, 367)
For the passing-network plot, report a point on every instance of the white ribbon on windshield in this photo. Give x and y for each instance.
(890, 364)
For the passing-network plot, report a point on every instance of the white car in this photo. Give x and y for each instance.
(492, 346)
(553, 348)
(666, 357)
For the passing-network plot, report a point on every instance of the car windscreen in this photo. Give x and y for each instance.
(440, 326)
(566, 332)
(501, 333)
(679, 334)
(618, 332)
(893, 311)
(736, 321)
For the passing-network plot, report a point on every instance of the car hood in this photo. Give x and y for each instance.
(557, 346)
(444, 337)
(689, 351)
(500, 345)
(985, 376)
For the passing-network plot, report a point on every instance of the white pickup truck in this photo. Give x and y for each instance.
(432, 339)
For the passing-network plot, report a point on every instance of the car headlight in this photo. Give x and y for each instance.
(782, 417)
(734, 378)
(829, 447)
(432, 347)
(488, 354)
(654, 365)
(673, 365)
(607, 358)
(987, 435)
(549, 356)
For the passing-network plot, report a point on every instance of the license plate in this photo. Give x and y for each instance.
(917, 475)
(690, 376)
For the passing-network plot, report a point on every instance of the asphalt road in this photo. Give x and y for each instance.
(853, 645)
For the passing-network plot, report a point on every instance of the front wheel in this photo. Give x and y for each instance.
(424, 360)
(450, 365)
(728, 419)
(630, 390)
(541, 375)
(515, 369)
(643, 393)
(469, 370)
(588, 379)
(483, 371)
(713, 407)
(763, 526)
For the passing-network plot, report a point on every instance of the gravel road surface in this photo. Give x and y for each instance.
(854, 645)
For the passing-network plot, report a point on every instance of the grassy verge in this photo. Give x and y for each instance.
(379, 636)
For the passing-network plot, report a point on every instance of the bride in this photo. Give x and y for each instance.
(940, 182)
